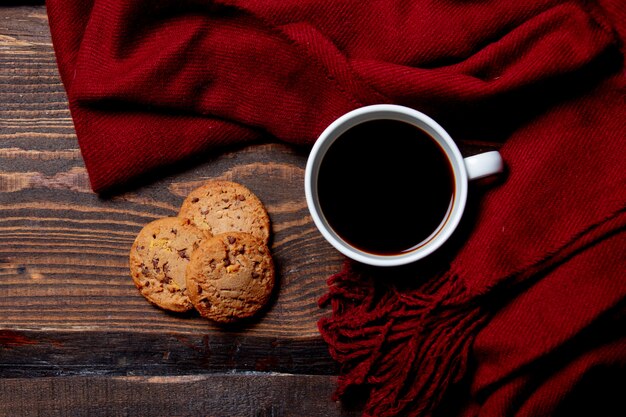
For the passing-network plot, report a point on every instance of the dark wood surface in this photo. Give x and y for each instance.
(259, 395)
(76, 338)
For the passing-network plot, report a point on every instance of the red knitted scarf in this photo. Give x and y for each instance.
(528, 294)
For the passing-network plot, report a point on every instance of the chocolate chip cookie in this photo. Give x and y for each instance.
(158, 261)
(230, 276)
(224, 206)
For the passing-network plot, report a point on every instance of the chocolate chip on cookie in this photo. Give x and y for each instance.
(230, 276)
(223, 206)
(158, 260)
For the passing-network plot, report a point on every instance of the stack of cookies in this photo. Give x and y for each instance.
(213, 257)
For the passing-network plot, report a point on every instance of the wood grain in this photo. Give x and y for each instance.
(38, 353)
(222, 395)
(65, 249)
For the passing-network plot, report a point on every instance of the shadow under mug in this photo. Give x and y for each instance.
(463, 170)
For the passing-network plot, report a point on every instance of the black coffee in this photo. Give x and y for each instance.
(385, 186)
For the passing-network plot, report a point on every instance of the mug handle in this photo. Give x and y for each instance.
(483, 165)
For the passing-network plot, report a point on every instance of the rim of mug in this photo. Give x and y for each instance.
(386, 112)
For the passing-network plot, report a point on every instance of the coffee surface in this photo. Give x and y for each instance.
(385, 186)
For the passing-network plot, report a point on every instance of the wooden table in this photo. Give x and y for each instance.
(76, 337)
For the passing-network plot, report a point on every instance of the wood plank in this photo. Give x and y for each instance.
(66, 249)
(83, 352)
(33, 105)
(225, 395)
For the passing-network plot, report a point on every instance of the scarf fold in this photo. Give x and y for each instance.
(537, 265)
(152, 82)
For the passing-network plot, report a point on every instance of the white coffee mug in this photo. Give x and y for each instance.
(463, 170)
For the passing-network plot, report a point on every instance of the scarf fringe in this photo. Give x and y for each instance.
(407, 346)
